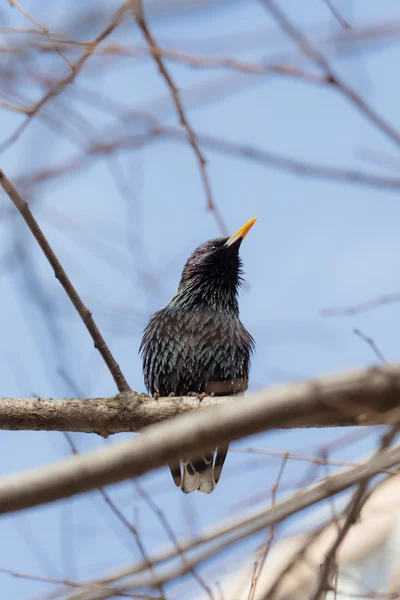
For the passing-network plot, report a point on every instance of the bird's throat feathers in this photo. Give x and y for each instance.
(211, 277)
(210, 293)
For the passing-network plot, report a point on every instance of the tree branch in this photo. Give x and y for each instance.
(60, 85)
(351, 513)
(365, 397)
(308, 49)
(157, 55)
(61, 275)
(354, 398)
(231, 530)
(109, 145)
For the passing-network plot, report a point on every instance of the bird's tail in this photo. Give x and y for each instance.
(220, 457)
(200, 473)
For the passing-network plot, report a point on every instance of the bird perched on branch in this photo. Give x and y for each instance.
(197, 344)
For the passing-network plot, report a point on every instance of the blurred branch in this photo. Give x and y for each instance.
(348, 311)
(342, 22)
(261, 562)
(172, 536)
(198, 61)
(63, 278)
(382, 159)
(318, 58)
(233, 530)
(244, 151)
(354, 398)
(351, 515)
(155, 51)
(44, 30)
(372, 344)
(119, 514)
(59, 86)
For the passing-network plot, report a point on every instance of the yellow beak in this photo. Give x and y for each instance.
(241, 233)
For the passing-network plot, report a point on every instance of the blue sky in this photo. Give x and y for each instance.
(316, 244)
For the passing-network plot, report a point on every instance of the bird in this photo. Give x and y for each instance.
(197, 345)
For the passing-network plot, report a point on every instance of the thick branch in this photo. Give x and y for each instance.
(105, 416)
(349, 398)
(362, 397)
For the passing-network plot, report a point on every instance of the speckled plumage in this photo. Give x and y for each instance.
(197, 344)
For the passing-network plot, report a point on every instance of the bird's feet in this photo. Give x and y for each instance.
(198, 396)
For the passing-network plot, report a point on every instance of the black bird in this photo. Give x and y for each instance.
(197, 344)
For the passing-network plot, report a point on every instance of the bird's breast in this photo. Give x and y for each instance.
(195, 351)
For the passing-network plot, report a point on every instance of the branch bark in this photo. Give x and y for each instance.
(366, 396)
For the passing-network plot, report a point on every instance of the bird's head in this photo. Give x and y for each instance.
(212, 273)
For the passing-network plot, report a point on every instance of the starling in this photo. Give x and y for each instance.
(196, 344)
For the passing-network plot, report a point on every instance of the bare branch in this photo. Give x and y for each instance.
(139, 14)
(315, 55)
(260, 565)
(352, 512)
(172, 536)
(348, 311)
(363, 397)
(371, 343)
(197, 60)
(59, 86)
(229, 532)
(337, 15)
(255, 154)
(349, 397)
(63, 278)
(44, 30)
(131, 528)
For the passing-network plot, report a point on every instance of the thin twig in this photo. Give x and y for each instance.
(349, 311)
(121, 517)
(170, 532)
(311, 51)
(65, 582)
(299, 556)
(193, 60)
(267, 158)
(59, 86)
(352, 512)
(44, 30)
(382, 159)
(343, 23)
(63, 278)
(371, 343)
(316, 460)
(156, 53)
(253, 581)
(264, 555)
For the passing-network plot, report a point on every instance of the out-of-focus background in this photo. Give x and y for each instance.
(110, 175)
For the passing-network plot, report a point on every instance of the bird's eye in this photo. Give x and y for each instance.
(213, 248)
